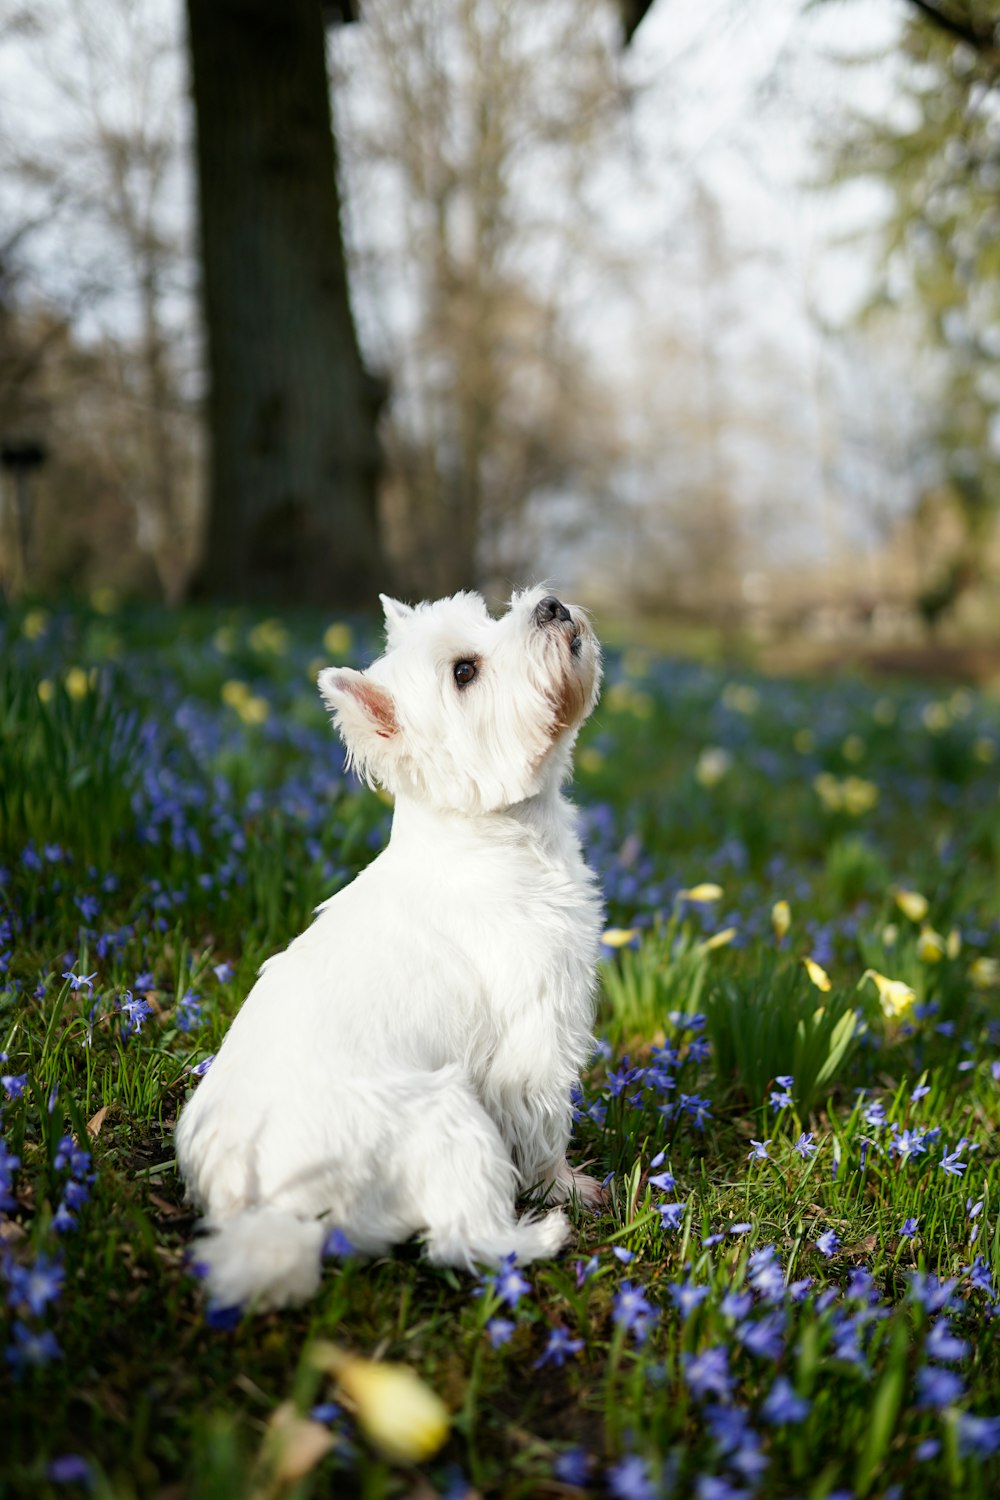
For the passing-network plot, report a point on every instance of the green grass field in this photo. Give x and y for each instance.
(793, 1288)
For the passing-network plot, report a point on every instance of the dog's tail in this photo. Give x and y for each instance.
(262, 1258)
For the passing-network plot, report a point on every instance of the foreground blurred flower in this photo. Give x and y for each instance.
(700, 894)
(984, 972)
(718, 940)
(713, 763)
(781, 919)
(894, 996)
(818, 975)
(911, 904)
(401, 1415)
(619, 937)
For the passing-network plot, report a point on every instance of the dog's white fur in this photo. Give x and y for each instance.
(405, 1066)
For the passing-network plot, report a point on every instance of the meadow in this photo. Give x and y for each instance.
(792, 1286)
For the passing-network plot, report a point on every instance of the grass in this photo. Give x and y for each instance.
(791, 1290)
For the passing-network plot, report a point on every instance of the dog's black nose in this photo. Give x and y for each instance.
(551, 608)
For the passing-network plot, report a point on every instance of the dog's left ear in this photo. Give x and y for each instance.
(364, 714)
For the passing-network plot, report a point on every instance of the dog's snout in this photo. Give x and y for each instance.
(551, 608)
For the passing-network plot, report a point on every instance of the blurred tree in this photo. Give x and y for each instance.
(468, 130)
(937, 155)
(292, 411)
(93, 195)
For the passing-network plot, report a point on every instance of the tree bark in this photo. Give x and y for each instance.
(292, 411)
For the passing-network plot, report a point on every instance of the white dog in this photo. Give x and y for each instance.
(405, 1066)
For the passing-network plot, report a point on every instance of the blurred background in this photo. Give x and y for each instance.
(692, 306)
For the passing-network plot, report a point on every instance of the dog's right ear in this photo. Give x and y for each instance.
(395, 612)
(363, 712)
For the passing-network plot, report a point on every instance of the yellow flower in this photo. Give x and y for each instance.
(618, 937)
(890, 935)
(818, 975)
(635, 662)
(804, 741)
(104, 600)
(235, 692)
(894, 996)
(984, 750)
(912, 904)
(701, 893)
(269, 636)
(930, 946)
(781, 918)
(984, 972)
(46, 691)
(936, 717)
(713, 763)
(718, 939)
(253, 710)
(740, 697)
(859, 795)
(224, 640)
(34, 623)
(953, 943)
(590, 759)
(827, 788)
(76, 682)
(401, 1415)
(338, 639)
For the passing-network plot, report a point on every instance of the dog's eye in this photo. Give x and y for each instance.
(463, 672)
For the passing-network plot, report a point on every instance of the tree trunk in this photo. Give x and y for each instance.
(292, 411)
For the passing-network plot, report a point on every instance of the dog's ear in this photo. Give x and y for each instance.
(363, 712)
(395, 613)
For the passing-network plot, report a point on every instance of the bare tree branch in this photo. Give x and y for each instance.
(980, 35)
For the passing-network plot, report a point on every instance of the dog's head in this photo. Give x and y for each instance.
(465, 711)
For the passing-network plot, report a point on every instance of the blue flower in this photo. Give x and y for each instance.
(508, 1283)
(978, 1435)
(942, 1343)
(765, 1337)
(909, 1228)
(558, 1349)
(938, 1388)
(200, 1069)
(828, 1243)
(715, 1487)
(77, 981)
(758, 1151)
(805, 1146)
(950, 1163)
(573, 1467)
(499, 1331)
(630, 1479)
(326, 1411)
(134, 1013)
(664, 1180)
(223, 1318)
(707, 1373)
(14, 1084)
(686, 1296)
(631, 1310)
(188, 1011)
(68, 1468)
(31, 1347)
(671, 1214)
(35, 1286)
(782, 1406)
(337, 1245)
